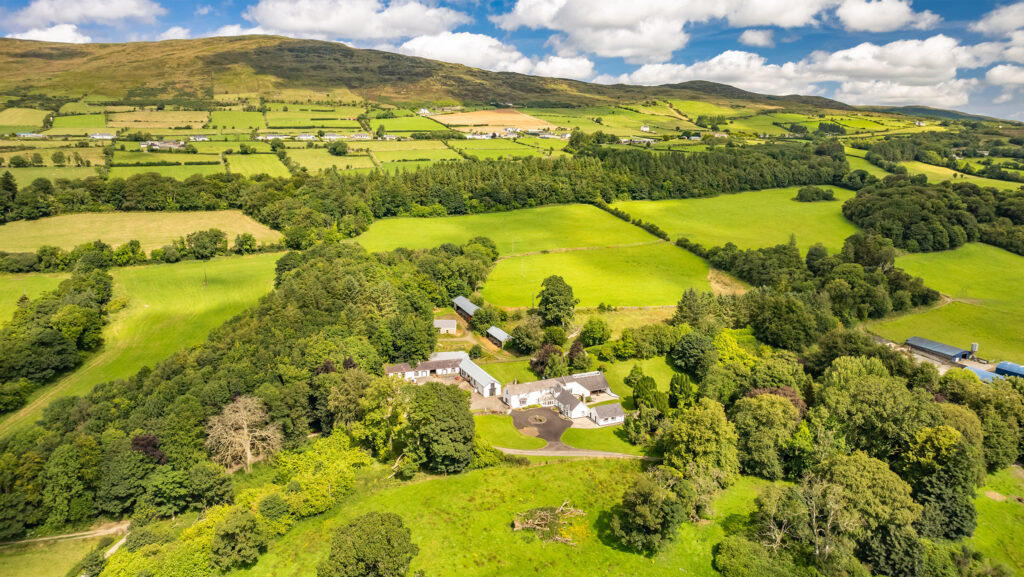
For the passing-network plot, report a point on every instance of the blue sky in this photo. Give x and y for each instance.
(951, 54)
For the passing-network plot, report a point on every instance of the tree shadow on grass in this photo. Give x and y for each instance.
(735, 523)
(603, 526)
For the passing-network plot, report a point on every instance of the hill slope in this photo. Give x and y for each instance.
(202, 69)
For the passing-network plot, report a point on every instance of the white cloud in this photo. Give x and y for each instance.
(203, 10)
(353, 19)
(1002, 20)
(1005, 75)
(884, 16)
(753, 37)
(745, 70)
(174, 33)
(647, 31)
(58, 33)
(237, 30)
(42, 13)
(948, 94)
(482, 51)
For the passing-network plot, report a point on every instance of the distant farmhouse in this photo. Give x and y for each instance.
(101, 136)
(568, 395)
(455, 363)
(148, 145)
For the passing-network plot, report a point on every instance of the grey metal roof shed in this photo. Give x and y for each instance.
(938, 349)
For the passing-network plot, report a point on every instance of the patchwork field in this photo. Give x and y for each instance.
(292, 119)
(317, 159)
(646, 275)
(515, 232)
(461, 524)
(492, 120)
(985, 283)
(79, 124)
(406, 124)
(170, 306)
(695, 108)
(253, 164)
(149, 119)
(415, 154)
(749, 219)
(152, 229)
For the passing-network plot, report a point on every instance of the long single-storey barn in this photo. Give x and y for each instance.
(938, 350)
(1008, 369)
(449, 364)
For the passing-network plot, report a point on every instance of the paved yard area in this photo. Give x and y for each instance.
(543, 423)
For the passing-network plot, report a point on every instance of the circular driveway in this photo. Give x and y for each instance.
(543, 423)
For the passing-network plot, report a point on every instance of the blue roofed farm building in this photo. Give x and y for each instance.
(938, 350)
(1008, 369)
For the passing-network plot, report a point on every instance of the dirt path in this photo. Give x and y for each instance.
(108, 529)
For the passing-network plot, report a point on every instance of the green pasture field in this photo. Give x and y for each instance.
(13, 286)
(157, 119)
(646, 275)
(998, 532)
(461, 524)
(489, 144)
(499, 431)
(761, 124)
(14, 129)
(152, 229)
(396, 145)
(407, 124)
(940, 173)
(253, 164)
(695, 108)
(180, 172)
(309, 119)
(217, 147)
(139, 157)
(626, 317)
(515, 232)
(236, 119)
(749, 219)
(565, 118)
(858, 163)
(170, 306)
(80, 121)
(611, 439)
(25, 176)
(417, 154)
(317, 159)
(80, 107)
(46, 559)
(396, 167)
(23, 117)
(93, 154)
(543, 143)
(985, 283)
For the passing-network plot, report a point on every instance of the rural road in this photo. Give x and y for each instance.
(108, 529)
(563, 450)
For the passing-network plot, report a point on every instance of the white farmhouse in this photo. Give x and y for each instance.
(544, 393)
(607, 415)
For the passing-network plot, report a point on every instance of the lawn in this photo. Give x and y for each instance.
(461, 524)
(236, 119)
(253, 164)
(657, 368)
(986, 282)
(152, 229)
(999, 521)
(499, 432)
(25, 176)
(515, 232)
(12, 286)
(317, 159)
(508, 371)
(49, 559)
(647, 275)
(749, 219)
(612, 439)
(170, 306)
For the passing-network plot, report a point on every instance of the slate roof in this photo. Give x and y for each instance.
(567, 399)
(935, 347)
(463, 303)
(592, 381)
(608, 411)
(397, 368)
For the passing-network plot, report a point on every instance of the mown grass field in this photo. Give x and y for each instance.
(515, 232)
(180, 172)
(48, 559)
(986, 282)
(646, 275)
(749, 219)
(406, 124)
(253, 164)
(462, 525)
(1000, 517)
(23, 117)
(217, 147)
(233, 119)
(611, 439)
(140, 157)
(415, 154)
(317, 159)
(695, 108)
(938, 174)
(170, 306)
(396, 145)
(152, 229)
(150, 119)
(499, 431)
(13, 286)
(80, 120)
(25, 176)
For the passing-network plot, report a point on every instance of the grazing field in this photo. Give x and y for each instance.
(80, 120)
(317, 159)
(985, 283)
(395, 167)
(13, 286)
(406, 124)
(646, 275)
(149, 119)
(415, 154)
(1000, 516)
(25, 176)
(543, 143)
(23, 117)
(139, 157)
(47, 559)
(498, 148)
(695, 108)
(462, 525)
(152, 229)
(235, 119)
(515, 232)
(749, 219)
(253, 164)
(180, 172)
(217, 147)
(499, 431)
(170, 306)
(309, 120)
(492, 120)
(941, 173)
(858, 163)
